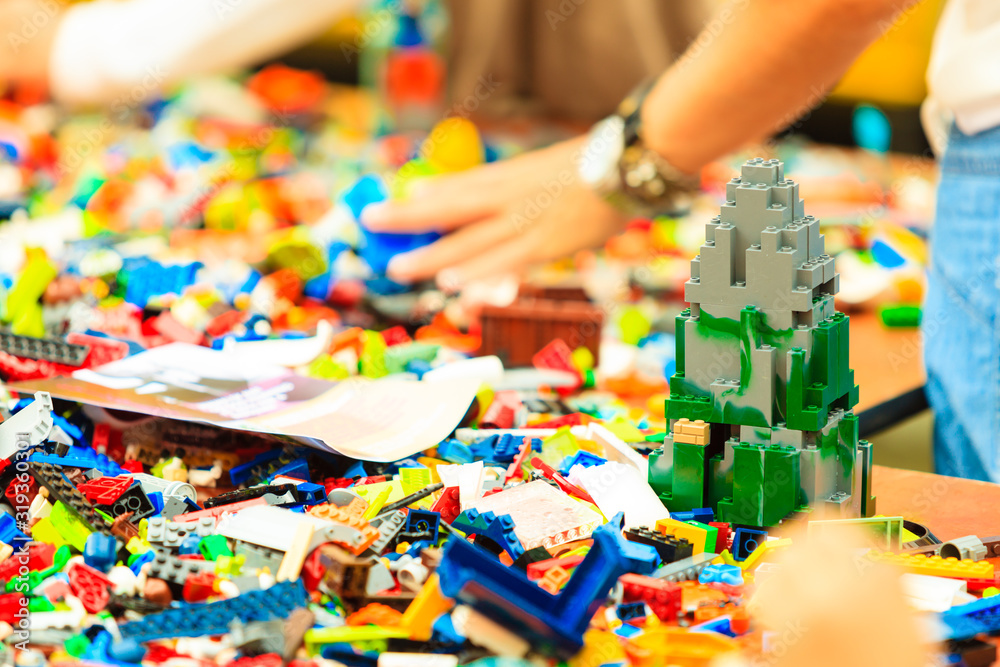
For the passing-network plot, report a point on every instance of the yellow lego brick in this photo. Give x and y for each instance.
(696, 536)
(429, 603)
(762, 550)
(349, 633)
(936, 566)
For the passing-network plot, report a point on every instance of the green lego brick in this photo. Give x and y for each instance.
(711, 534)
(720, 480)
(679, 323)
(746, 505)
(689, 477)
(661, 471)
(782, 490)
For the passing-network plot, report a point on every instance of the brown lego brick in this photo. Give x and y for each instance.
(516, 332)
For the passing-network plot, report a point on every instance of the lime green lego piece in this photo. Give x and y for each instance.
(634, 325)
(414, 479)
(625, 429)
(558, 446)
(214, 546)
(325, 368)
(372, 361)
(22, 300)
(398, 356)
(76, 645)
(711, 534)
(40, 603)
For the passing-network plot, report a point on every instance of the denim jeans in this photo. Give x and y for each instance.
(961, 322)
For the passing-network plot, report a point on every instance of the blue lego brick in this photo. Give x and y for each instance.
(80, 457)
(311, 494)
(971, 619)
(100, 551)
(455, 451)
(380, 247)
(627, 631)
(142, 559)
(423, 520)
(722, 574)
(631, 610)
(214, 618)
(583, 458)
(366, 190)
(299, 469)
(357, 469)
(444, 632)
(418, 367)
(720, 624)
(102, 651)
(746, 540)
(148, 279)
(10, 533)
(506, 446)
(241, 474)
(500, 529)
(553, 624)
(701, 515)
(156, 498)
(70, 429)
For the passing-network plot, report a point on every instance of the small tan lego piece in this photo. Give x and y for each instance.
(691, 432)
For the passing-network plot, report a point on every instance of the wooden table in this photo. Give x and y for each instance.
(889, 369)
(949, 506)
(887, 362)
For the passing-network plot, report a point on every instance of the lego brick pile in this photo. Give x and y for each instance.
(562, 525)
(543, 540)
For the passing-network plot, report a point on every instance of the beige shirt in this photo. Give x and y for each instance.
(964, 72)
(573, 59)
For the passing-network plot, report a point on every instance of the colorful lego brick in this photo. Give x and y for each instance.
(663, 597)
(214, 618)
(746, 541)
(695, 432)
(553, 623)
(669, 547)
(499, 529)
(697, 536)
(936, 566)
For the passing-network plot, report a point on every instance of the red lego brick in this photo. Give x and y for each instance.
(27, 490)
(537, 570)
(12, 607)
(723, 536)
(199, 587)
(90, 586)
(663, 597)
(448, 505)
(105, 490)
(396, 336)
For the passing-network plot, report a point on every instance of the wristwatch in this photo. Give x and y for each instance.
(617, 165)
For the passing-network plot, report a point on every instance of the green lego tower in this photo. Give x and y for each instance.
(760, 405)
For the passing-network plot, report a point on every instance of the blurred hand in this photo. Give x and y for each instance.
(500, 218)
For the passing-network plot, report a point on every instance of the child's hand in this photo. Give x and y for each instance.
(501, 218)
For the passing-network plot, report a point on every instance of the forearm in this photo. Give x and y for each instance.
(758, 67)
(28, 28)
(112, 52)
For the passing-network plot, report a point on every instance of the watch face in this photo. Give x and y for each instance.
(598, 164)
